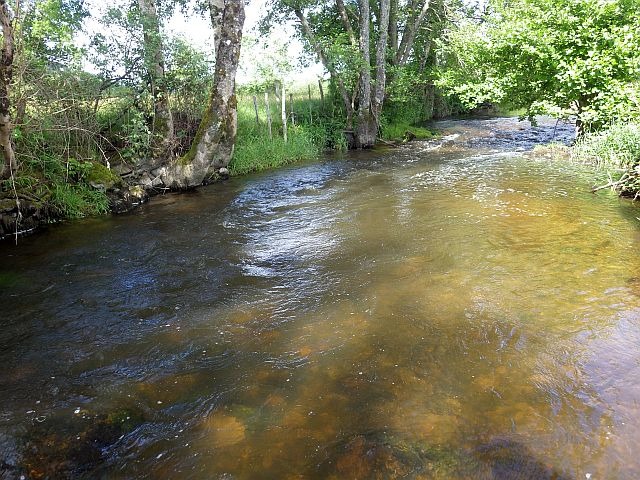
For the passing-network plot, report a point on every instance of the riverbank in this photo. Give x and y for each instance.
(50, 191)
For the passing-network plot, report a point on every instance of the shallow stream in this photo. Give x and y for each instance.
(455, 309)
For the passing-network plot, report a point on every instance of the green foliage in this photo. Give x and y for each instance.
(48, 31)
(558, 57)
(136, 135)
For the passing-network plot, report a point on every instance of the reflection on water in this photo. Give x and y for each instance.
(447, 310)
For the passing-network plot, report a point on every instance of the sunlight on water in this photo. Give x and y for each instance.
(436, 312)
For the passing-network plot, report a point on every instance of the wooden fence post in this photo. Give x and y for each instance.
(291, 112)
(255, 107)
(283, 96)
(268, 109)
(310, 110)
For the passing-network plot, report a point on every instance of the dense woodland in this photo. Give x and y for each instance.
(93, 126)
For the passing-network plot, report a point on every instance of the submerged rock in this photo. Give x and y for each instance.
(224, 430)
(122, 200)
(67, 447)
(508, 459)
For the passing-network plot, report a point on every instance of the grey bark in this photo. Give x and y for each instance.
(409, 36)
(214, 144)
(381, 61)
(366, 129)
(393, 27)
(216, 10)
(346, 22)
(163, 141)
(9, 165)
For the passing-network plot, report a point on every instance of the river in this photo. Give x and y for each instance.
(452, 309)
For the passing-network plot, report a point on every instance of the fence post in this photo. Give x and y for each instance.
(268, 109)
(310, 110)
(283, 96)
(321, 94)
(291, 112)
(255, 107)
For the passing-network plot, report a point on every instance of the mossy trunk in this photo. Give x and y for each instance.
(163, 139)
(214, 143)
(9, 163)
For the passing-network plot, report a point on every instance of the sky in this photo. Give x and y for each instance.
(197, 30)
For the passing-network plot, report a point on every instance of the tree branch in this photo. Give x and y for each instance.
(409, 36)
(306, 28)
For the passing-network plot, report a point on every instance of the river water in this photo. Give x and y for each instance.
(454, 309)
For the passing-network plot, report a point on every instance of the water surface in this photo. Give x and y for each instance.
(453, 309)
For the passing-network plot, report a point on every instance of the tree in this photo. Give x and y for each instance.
(357, 43)
(163, 134)
(214, 143)
(559, 57)
(9, 164)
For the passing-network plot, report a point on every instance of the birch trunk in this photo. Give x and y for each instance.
(366, 129)
(393, 27)
(163, 140)
(381, 61)
(9, 165)
(213, 146)
(216, 9)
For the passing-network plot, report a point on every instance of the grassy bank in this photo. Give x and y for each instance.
(64, 170)
(616, 151)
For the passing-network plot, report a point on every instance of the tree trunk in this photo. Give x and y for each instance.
(213, 146)
(9, 165)
(366, 129)
(381, 60)
(393, 27)
(216, 10)
(163, 140)
(346, 22)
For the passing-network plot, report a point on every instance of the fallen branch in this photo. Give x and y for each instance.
(390, 144)
(617, 183)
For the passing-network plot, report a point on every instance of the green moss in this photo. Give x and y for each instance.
(399, 131)
(100, 174)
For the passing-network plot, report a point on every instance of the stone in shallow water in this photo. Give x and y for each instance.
(508, 459)
(224, 430)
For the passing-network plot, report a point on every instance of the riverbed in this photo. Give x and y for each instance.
(452, 309)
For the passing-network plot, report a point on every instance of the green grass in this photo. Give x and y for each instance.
(256, 153)
(615, 150)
